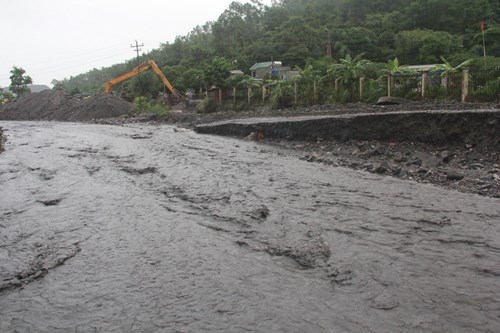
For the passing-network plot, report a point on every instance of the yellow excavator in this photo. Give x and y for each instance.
(149, 64)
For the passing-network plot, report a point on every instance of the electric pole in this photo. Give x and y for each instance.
(328, 44)
(136, 48)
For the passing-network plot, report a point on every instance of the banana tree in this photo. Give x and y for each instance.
(392, 69)
(348, 71)
(448, 71)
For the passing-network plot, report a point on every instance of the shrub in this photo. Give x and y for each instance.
(282, 95)
(143, 104)
(206, 106)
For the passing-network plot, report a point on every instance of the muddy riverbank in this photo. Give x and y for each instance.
(455, 149)
(154, 228)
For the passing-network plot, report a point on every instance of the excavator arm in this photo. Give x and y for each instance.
(123, 77)
(137, 70)
(157, 70)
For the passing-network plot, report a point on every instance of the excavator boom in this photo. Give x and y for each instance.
(150, 64)
(157, 70)
(123, 77)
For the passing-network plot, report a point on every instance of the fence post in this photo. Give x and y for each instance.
(444, 82)
(263, 94)
(361, 88)
(465, 84)
(424, 83)
(315, 91)
(336, 86)
(220, 96)
(234, 96)
(249, 94)
(295, 92)
(389, 85)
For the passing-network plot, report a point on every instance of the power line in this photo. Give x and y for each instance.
(61, 68)
(137, 49)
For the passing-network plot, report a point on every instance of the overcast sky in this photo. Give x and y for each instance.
(54, 39)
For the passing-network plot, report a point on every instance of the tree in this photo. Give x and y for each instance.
(348, 71)
(447, 70)
(217, 72)
(5, 97)
(19, 81)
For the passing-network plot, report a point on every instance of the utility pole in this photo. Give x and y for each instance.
(329, 44)
(136, 48)
(484, 42)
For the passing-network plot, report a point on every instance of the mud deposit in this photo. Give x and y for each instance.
(158, 229)
(59, 105)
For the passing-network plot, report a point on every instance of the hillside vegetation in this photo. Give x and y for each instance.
(296, 32)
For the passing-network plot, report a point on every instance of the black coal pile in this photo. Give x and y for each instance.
(59, 105)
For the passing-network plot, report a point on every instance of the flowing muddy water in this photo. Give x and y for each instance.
(156, 229)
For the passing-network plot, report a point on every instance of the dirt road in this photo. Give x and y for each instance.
(159, 229)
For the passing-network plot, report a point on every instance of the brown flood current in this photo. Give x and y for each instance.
(158, 229)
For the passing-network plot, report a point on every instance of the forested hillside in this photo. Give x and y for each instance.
(297, 32)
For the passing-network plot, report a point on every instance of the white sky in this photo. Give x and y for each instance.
(54, 39)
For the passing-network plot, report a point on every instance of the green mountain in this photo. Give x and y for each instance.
(296, 32)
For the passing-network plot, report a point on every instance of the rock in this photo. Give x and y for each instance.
(386, 100)
(384, 302)
(356, 151)
(476, 166)
(381, 167)
(260, 214)
(427, 160)
(398, 157)
(445, 155)
(255, 136)
(453, 176)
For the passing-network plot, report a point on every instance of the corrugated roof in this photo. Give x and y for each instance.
(265, 65)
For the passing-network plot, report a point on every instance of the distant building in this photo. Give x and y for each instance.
(261, 69)
(236, 72)
(35, 88)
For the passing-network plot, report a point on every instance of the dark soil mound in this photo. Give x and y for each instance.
(58, 105)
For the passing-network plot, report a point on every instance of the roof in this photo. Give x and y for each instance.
(422, 68)
(266, 64)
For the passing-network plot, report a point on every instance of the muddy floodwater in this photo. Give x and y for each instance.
(157, 229)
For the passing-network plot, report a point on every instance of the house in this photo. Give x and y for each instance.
(261, 69)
